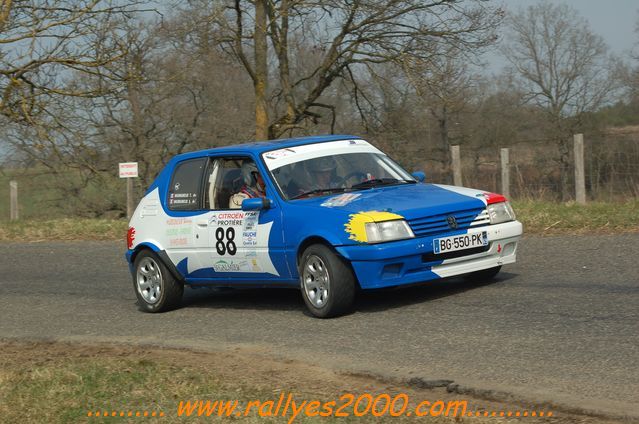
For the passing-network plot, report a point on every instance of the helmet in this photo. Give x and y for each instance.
(323, 164)
(249, 173)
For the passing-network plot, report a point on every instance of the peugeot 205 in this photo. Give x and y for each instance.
(330, 215)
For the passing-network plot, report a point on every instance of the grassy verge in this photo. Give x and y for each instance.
(539, 218)
(63, 229)
(547, 218)
(59, 390)
(59, 383)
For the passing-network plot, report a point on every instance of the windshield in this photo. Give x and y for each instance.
(319, 174)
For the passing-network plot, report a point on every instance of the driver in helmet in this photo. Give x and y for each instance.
(253, 185)
(322, 173)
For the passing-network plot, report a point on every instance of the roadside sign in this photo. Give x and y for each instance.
(128, 169)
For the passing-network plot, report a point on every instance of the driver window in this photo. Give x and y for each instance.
(225, 181)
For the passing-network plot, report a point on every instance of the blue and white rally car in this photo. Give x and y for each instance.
(326, 214)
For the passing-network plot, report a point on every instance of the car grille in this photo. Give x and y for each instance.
(439, 223)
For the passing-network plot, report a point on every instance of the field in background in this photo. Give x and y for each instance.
(539, 218)
(611, 173)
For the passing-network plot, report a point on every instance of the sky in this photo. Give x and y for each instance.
(614, 20)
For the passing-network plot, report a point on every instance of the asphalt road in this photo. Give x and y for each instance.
(561, 325)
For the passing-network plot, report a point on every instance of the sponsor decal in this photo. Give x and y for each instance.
(179, 241)
(178, 221)
(170, 232)
(183, 199)
(250, 221)
(177, 230)
(249, 238)
(356, 226)
(256, 267)
(231, 266)
(282, 153)
(341, 200)
(130, 237)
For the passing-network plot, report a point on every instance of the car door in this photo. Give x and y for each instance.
(235, 245)
(183, 205)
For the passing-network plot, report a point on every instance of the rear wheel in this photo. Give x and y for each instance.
(482, 276)
(155, 287)
(327, 282)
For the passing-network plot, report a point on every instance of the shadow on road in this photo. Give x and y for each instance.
(366, 302)
(381, 300)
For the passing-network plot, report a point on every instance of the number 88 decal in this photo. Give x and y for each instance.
(221, 247)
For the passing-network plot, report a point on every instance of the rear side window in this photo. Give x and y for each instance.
(186, 185)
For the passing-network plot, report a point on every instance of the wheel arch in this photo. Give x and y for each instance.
(308, 241)
(162, 256)
(143, 246)
(315, 239)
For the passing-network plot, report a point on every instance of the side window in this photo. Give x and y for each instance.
(223, 180)
(186, 185)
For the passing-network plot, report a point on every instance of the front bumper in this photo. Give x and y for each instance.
(412, 261)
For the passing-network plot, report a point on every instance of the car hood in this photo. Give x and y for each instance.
(408, 200)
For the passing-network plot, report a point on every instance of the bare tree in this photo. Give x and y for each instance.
(562, 67)
(443, 84)
(42, 43)
(345, 34)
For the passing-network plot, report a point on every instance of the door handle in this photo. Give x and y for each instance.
(202, 223)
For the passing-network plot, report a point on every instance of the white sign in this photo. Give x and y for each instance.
(128, 169)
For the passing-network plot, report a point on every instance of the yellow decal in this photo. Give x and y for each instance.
(356, 226)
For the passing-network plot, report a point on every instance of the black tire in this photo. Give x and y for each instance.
(147, 267)
(340, 285)
(482, 276)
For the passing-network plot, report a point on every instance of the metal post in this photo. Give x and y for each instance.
(580, 174)
(456, 159)
(129, 197)
(505, 173)
(13, 200)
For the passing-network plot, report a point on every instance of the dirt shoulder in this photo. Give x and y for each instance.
(61, 382)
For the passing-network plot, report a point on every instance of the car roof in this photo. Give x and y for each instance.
(264, 146)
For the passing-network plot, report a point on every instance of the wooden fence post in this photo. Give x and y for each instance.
(505, 173)
(13, 200)
(580, 174)
(456, 162)
(130, 207)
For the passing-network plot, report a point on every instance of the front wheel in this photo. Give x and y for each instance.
(327, 282)
(156, 289)
(482, 276)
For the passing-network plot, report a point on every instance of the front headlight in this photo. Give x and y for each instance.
(387, 231)
(500, 212)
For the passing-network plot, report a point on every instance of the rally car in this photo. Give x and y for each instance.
(330, 215)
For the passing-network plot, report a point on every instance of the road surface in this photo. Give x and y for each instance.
(560, 325)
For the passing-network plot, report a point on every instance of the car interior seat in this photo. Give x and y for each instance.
(231, 184)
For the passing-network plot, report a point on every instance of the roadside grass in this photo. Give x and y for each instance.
(63, 229)
(549, 218)
(47, 384)
(538, 218)
(62, 391)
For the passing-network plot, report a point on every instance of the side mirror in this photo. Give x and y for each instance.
(256, 204)
(419, 176)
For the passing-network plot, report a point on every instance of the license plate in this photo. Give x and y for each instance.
(461, 242)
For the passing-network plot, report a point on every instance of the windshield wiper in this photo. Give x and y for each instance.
(376, 182)
(319, 190)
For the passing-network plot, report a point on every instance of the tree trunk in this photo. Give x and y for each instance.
(444, 147)
(260, 82)
(565, 169)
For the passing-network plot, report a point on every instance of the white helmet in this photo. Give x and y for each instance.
(249, 173)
